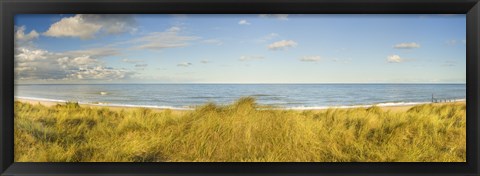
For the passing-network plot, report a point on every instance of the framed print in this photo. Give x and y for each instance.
(186, 87)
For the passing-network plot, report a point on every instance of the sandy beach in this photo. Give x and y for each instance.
(396, 108)
(113, 108)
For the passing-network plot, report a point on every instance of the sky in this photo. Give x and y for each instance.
(249, 48)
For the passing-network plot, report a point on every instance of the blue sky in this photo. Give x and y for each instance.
(279, 48)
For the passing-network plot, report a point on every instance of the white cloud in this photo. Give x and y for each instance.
(37, 64)
(310, 59)
(72, 63)
(161, 40)
(395, 59)
(276, 16)
(243, 22)
(113, 24)
(410, 45)
(281, 45)
(20, 35)
(26, 55)
(95, 52)
(184, 64)
(73, 27)
(249, 58)
(100, 73)
(88, 68)
(85, 26)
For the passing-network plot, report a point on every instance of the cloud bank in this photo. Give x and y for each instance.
(86, 26)
(38, 64)
(21, 36)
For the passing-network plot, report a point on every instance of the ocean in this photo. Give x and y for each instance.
(289, 96)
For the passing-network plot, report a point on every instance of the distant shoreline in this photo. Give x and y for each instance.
(50, 103)
(385, 106)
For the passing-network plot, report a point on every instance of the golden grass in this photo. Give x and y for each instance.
(239, 133)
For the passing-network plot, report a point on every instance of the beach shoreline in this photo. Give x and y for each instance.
(394, 108)
(47, 103)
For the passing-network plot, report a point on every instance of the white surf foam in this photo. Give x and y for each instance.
(143, 106)
(40, 99)
(388, 104)
(105, 104)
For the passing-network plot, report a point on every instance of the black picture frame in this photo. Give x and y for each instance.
(8, 8)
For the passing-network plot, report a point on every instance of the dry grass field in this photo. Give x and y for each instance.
(241, 132)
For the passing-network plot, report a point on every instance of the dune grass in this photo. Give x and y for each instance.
(239, 132)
